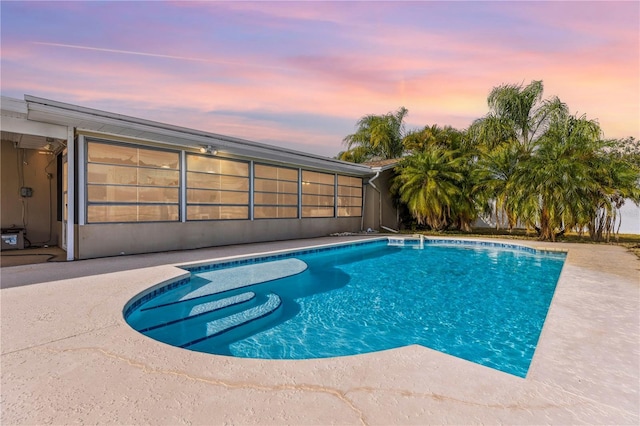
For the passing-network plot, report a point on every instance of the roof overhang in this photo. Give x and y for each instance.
(96, 121)
(25, 133)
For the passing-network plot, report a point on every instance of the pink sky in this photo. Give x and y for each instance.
(300, 74)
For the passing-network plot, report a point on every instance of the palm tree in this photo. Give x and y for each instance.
(507, 135)
(518, 113)
(553, 190)
(429, 183)
(493, 176)
(377, 136)
(618, 177)
(433, 136)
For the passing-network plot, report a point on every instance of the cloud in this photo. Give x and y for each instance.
(294, 73)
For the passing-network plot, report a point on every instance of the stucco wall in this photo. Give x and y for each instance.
(372, 217)
(40, 209)
(114, 239)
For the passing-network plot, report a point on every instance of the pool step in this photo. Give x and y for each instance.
(219, 326)
(201, 309)
(222, 280)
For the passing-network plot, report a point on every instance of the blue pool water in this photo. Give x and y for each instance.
(486, 304)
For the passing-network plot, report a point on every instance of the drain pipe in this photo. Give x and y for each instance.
(380, 205)
(373, 185)
(364, 204)
(379, 193)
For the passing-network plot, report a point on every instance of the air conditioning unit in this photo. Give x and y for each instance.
(12, 239)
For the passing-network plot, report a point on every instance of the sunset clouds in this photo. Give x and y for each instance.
(300, 75)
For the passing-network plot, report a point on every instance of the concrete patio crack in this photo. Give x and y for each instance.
(340, 395)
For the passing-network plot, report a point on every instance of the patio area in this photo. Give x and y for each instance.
(68, 356)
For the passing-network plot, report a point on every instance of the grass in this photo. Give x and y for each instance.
(630, 241)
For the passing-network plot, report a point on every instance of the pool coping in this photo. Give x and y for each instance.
(69, 359)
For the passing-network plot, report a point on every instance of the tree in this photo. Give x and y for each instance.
(433, 136)
(618, 175)
(429, 183)
(506, 136)
(377, 136)
(493, 177)
(553, 190)
(518, 113)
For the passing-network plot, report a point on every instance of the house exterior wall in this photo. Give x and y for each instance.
(140, 200)
(379, 209)
(28, 168)
(116, 238)
(101, 240)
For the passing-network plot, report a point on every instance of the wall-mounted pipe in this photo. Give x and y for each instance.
(379, 194)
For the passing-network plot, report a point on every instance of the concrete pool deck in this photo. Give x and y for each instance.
(69, 357)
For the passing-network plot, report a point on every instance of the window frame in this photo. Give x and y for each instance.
(349, 197)
(88, 204)
(220, 189)
(277, 180)
(309, 184)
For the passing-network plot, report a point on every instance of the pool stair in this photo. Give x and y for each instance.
(194, 312)
(415, 241)
(222, 325)
(212, 307)
(223, 280)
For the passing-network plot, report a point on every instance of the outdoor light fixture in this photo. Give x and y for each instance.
(208, 149)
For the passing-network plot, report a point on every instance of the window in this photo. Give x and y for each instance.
(217, 188)
(317, 194)
(349, 196)
(131, 184)
(275, 192)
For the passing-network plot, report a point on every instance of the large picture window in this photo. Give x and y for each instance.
(217, 188)
(275, 193)
(349, 196)
(131, 184)
(318, 194)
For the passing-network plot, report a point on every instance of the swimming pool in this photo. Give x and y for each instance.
(484, 302)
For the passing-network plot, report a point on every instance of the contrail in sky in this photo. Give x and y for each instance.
(155, 55)
(126, 52)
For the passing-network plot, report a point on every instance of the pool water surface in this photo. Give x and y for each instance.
(483, 303)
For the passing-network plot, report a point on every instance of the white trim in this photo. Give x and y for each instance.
(82, 186)
(335, 196)
(251, 189)
(71, 199)
(183, 186)
(16, 107)
(35, 128)
(299, 193)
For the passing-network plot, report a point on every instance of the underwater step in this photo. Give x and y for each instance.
(196, 311)
(222, 280)
(219, 326)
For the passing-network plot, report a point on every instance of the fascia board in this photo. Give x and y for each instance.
(35, 128)
(13, 107)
